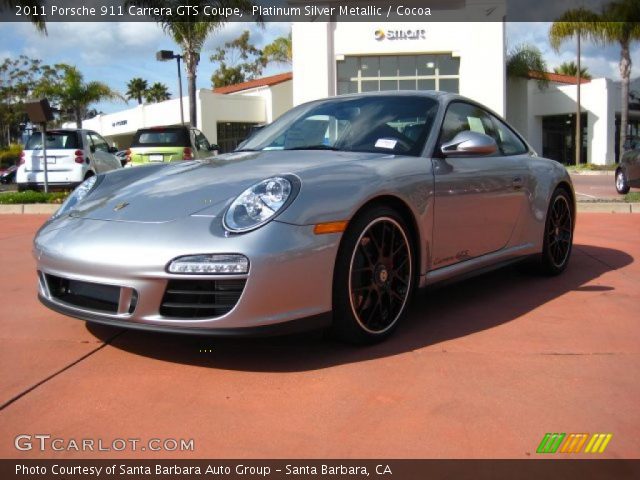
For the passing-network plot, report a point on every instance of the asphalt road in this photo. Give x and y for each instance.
(595, 187)
(481, 369)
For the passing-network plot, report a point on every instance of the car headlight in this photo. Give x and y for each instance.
(260, 203)
(76, 196)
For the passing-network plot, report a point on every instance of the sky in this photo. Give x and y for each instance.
(116, 52)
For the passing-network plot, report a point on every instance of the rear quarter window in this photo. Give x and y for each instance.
(161, 138)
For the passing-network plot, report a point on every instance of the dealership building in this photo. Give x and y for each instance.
(332, 58)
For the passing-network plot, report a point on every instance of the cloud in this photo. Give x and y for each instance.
(116, 52)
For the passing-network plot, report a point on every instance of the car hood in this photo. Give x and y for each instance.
(163, 193)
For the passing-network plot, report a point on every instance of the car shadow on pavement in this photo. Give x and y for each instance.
(435, 315)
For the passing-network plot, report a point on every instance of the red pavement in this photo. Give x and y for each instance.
(481, 369)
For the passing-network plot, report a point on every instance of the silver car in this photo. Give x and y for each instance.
(331, 217)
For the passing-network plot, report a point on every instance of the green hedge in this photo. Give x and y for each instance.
(31, 196)
(591, 167)
(10, 156)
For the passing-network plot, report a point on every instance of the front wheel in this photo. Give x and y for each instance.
(558, 234)
(374, 277)
(622, 184)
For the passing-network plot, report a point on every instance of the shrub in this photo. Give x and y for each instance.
(31, 196)
(10, 156)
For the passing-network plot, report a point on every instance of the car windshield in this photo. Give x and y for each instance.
(55, 141)
(380, 123)
(161, 137)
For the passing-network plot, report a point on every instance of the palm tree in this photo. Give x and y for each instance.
(136, 89)
(280, 50)
(157, 93)
(72, 94)
(35, 7)
(524, 59)
(571, 69)
(618, 23)
(192, 34)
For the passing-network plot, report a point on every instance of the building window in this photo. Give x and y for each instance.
(231, 134)
(399, 72)
(559, 138)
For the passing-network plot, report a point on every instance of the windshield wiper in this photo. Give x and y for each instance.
(314, 147)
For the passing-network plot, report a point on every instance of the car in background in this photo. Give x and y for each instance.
(72, 156)
(9, 175)
(122, 156)
(628, 171)
(168, 144)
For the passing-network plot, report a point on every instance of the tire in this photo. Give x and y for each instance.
(374, 277)
(558, 234)
(89, 174)
(622, 183)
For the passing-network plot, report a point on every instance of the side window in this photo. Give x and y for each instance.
(462, 117)
(508, 141)
(99, 143)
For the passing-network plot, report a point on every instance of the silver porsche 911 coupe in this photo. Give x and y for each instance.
(330, 217)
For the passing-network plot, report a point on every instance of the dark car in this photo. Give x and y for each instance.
(628, 172)
(9, 175)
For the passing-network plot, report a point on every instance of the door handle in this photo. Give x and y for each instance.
(517, 183)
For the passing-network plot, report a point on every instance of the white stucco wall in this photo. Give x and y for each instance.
(480, 46)
(277, 98)
(527, 104)
(119, 127)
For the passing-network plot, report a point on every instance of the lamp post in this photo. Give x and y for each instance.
(165, 55)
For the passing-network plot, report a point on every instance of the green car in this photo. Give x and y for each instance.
(168, 144)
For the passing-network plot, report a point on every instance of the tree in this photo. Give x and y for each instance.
(238, 61)
(34, 6)
(279, 51)
(136, 89)
(71, 94)
(619, 22)
(157, 93)
(18, 79)
(524, 59)
(192, 34)
(571, 69)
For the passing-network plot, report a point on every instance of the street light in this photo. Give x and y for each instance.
(165, 55)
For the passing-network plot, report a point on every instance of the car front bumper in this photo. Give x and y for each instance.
(290, 274)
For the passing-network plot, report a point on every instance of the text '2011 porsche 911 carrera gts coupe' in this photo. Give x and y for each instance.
(330, 217)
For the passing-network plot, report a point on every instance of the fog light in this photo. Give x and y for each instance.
(210, 264)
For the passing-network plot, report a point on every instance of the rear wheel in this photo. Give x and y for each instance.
(622, 183)
(374, 277)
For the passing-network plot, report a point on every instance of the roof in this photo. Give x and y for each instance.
(556, 77)
(258, 82)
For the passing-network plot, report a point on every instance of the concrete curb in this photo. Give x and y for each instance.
(608, 207)
(609, 173)
(29, 209)
(583, 207)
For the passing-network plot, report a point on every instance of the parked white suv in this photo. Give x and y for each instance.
(72, 156)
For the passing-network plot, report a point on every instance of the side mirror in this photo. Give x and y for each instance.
(92, 148)
(469, 144)
(214, 147)
(113, 150)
